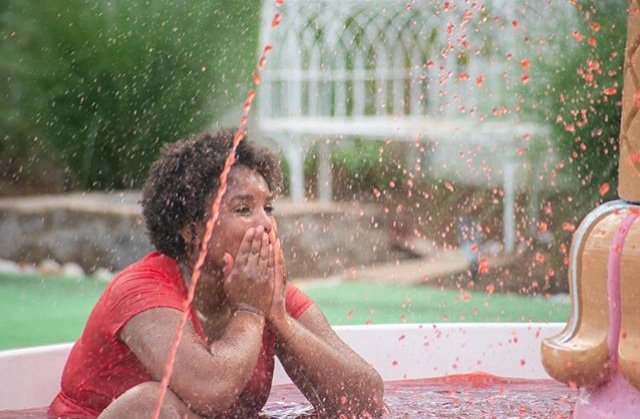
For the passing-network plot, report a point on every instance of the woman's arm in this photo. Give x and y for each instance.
(330, 374)
(207, 379)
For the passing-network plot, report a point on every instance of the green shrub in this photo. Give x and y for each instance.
(583, 91)
(360, 166)
(105, 84)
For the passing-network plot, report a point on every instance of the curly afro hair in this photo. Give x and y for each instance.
(184, 179)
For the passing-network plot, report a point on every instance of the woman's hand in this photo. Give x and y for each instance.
(249, 280)
(277, 311)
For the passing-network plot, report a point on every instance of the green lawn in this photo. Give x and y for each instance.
(358, 303)
(36, 310)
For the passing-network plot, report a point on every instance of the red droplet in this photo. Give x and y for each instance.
(262, 62)
(238, 136)
(524, 64)
(522, 362)
(401, 337)
(251, 94)
(568, 226)
(394, 363)
(350, 313)
(539, 257)
(483, 267)
(480, 79)
(276, 20)
(279, 3)
(256, 77)
(524, 78)
(592, 41)
(542, 227)
(595, 26)
(514, 23)
(463, 76)
(610, 91)
(577, 36)
(604, 188)
(263, 58)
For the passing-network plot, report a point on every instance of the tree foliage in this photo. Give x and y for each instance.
(103, 84)
(584, 93)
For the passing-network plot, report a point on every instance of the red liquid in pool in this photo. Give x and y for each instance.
(463, 396)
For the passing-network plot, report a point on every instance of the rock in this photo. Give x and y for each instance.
(49, 267)
(7, 266)
(560, 298)
(102, 275)
(27, 268)
(73, 270)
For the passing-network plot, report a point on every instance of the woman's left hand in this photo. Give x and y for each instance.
(277, 311)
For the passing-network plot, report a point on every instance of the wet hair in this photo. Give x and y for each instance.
(185, 178)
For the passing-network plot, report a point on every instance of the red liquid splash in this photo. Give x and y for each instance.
(215, 212)
(464, 396)
(275, 22)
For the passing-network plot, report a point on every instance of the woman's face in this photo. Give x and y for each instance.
(247, 203)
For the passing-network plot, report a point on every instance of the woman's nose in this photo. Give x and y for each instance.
(265, 221)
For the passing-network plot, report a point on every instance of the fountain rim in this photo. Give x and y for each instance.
(31, 376)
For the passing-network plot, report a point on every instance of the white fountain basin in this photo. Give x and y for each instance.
(30, 377)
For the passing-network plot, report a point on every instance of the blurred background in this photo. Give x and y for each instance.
(438, 155)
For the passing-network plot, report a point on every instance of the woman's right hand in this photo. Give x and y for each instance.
(249, 279)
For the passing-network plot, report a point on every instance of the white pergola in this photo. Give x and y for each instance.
(449, 73)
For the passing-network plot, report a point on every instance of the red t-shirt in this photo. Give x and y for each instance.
(100, 367)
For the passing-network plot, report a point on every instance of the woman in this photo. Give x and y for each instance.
(244, 312)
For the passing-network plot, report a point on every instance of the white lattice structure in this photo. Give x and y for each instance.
(446, 73)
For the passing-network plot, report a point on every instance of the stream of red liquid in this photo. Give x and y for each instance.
(215, 211)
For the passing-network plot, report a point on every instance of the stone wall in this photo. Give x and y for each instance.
(107, 231)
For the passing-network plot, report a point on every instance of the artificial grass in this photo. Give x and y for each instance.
(360, 303)
(38, 310)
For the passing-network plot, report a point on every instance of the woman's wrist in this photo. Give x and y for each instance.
(244, 308)
(286, 329)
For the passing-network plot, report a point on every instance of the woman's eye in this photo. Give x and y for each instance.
(268, 209)
(243, 210)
